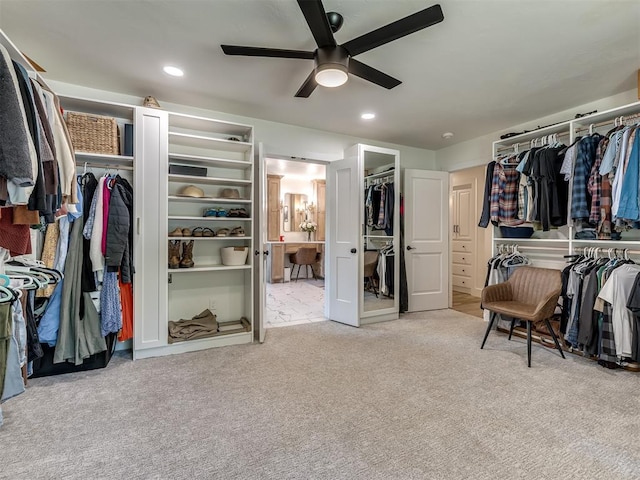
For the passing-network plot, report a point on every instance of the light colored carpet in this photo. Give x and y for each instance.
(410, 399)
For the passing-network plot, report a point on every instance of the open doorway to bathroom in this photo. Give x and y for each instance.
(295, 240)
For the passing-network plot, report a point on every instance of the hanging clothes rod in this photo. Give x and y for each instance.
(528, 142)
(613, 121)
(108, 166)
(388, 173)
(527, 247)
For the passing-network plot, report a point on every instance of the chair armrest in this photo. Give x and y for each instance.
(501, 292)
(546, 307)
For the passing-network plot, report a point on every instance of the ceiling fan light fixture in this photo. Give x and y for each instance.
(331, 76)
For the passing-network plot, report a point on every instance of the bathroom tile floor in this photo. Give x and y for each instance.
(294, 303)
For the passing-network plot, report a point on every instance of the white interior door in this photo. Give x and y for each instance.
(342, 281)
(427, 239)
(260, 255)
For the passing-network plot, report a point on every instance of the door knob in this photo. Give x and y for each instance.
(266, 252)
(353, 250)
(257, 252)
(409, 247)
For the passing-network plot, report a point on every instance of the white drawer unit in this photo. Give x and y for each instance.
(462, 258)
(462, 247)
(461, 270)
(458, 281)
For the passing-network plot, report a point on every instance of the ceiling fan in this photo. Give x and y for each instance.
(334, 62)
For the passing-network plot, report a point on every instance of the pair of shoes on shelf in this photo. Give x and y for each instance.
(181, 232)
(177, 261)
(237, 232)
(238, 213)
(215, 212)
(203, 232)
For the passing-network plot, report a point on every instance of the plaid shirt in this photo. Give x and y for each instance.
(504, 195)
(594, 185)
(580, 200)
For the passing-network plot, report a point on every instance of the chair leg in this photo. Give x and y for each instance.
(529, 344)
(298, 275)
(513, 324)
(555, 338)
(486, 334)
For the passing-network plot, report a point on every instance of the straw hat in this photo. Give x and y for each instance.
(229, 193)
(191, 191)
(151, 102)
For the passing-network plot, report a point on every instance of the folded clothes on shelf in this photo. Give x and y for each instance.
(202, 325)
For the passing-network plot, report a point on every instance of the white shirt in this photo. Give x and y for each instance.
(616, 291)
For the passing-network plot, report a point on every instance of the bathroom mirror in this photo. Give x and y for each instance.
(294, 211)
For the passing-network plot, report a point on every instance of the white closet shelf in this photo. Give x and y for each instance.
(175, 198)
(209, 268)
(208, 219)
(97, 107)
(381, 237)
(531, 240)
(195, 122)
(103, 158)
(228, 237)
(173, 177)
(212, 143)
(609, 243)
(194, 345)
(204, 161)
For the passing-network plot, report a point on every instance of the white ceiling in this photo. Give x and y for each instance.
(490, 64)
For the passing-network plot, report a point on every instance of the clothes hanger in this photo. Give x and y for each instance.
(7, 295)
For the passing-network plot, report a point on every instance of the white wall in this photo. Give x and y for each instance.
(478, 150)
(279, 139)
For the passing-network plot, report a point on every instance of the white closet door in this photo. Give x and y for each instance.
(260, 253)
(342, 280)
(426, 239)
(150, 176)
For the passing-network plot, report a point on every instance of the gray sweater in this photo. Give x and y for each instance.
(15, 154)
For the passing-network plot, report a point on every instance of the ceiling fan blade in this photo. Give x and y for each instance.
(316, 18)
(366, 72)
(265, 52)
(308, 86)
(398, 29)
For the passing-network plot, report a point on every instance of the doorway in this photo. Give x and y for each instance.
(294, 237)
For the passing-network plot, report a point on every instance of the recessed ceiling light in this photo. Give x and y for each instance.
(173, 71)
(447, 135)
(368, 116)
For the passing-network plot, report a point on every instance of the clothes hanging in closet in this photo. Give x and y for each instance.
(385, 269)
(379, 205)
(499, 268)
(526, 188)
(596, 318)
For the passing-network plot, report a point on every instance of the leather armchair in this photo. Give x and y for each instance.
(531, 294)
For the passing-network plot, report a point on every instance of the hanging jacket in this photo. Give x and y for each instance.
(119, 230)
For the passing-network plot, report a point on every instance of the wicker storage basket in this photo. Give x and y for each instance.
(93, 133)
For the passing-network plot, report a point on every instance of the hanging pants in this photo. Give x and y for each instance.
(5, 337)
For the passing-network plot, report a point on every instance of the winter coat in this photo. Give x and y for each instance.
(120, 230)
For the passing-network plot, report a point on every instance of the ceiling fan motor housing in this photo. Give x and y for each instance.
(332, 57)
